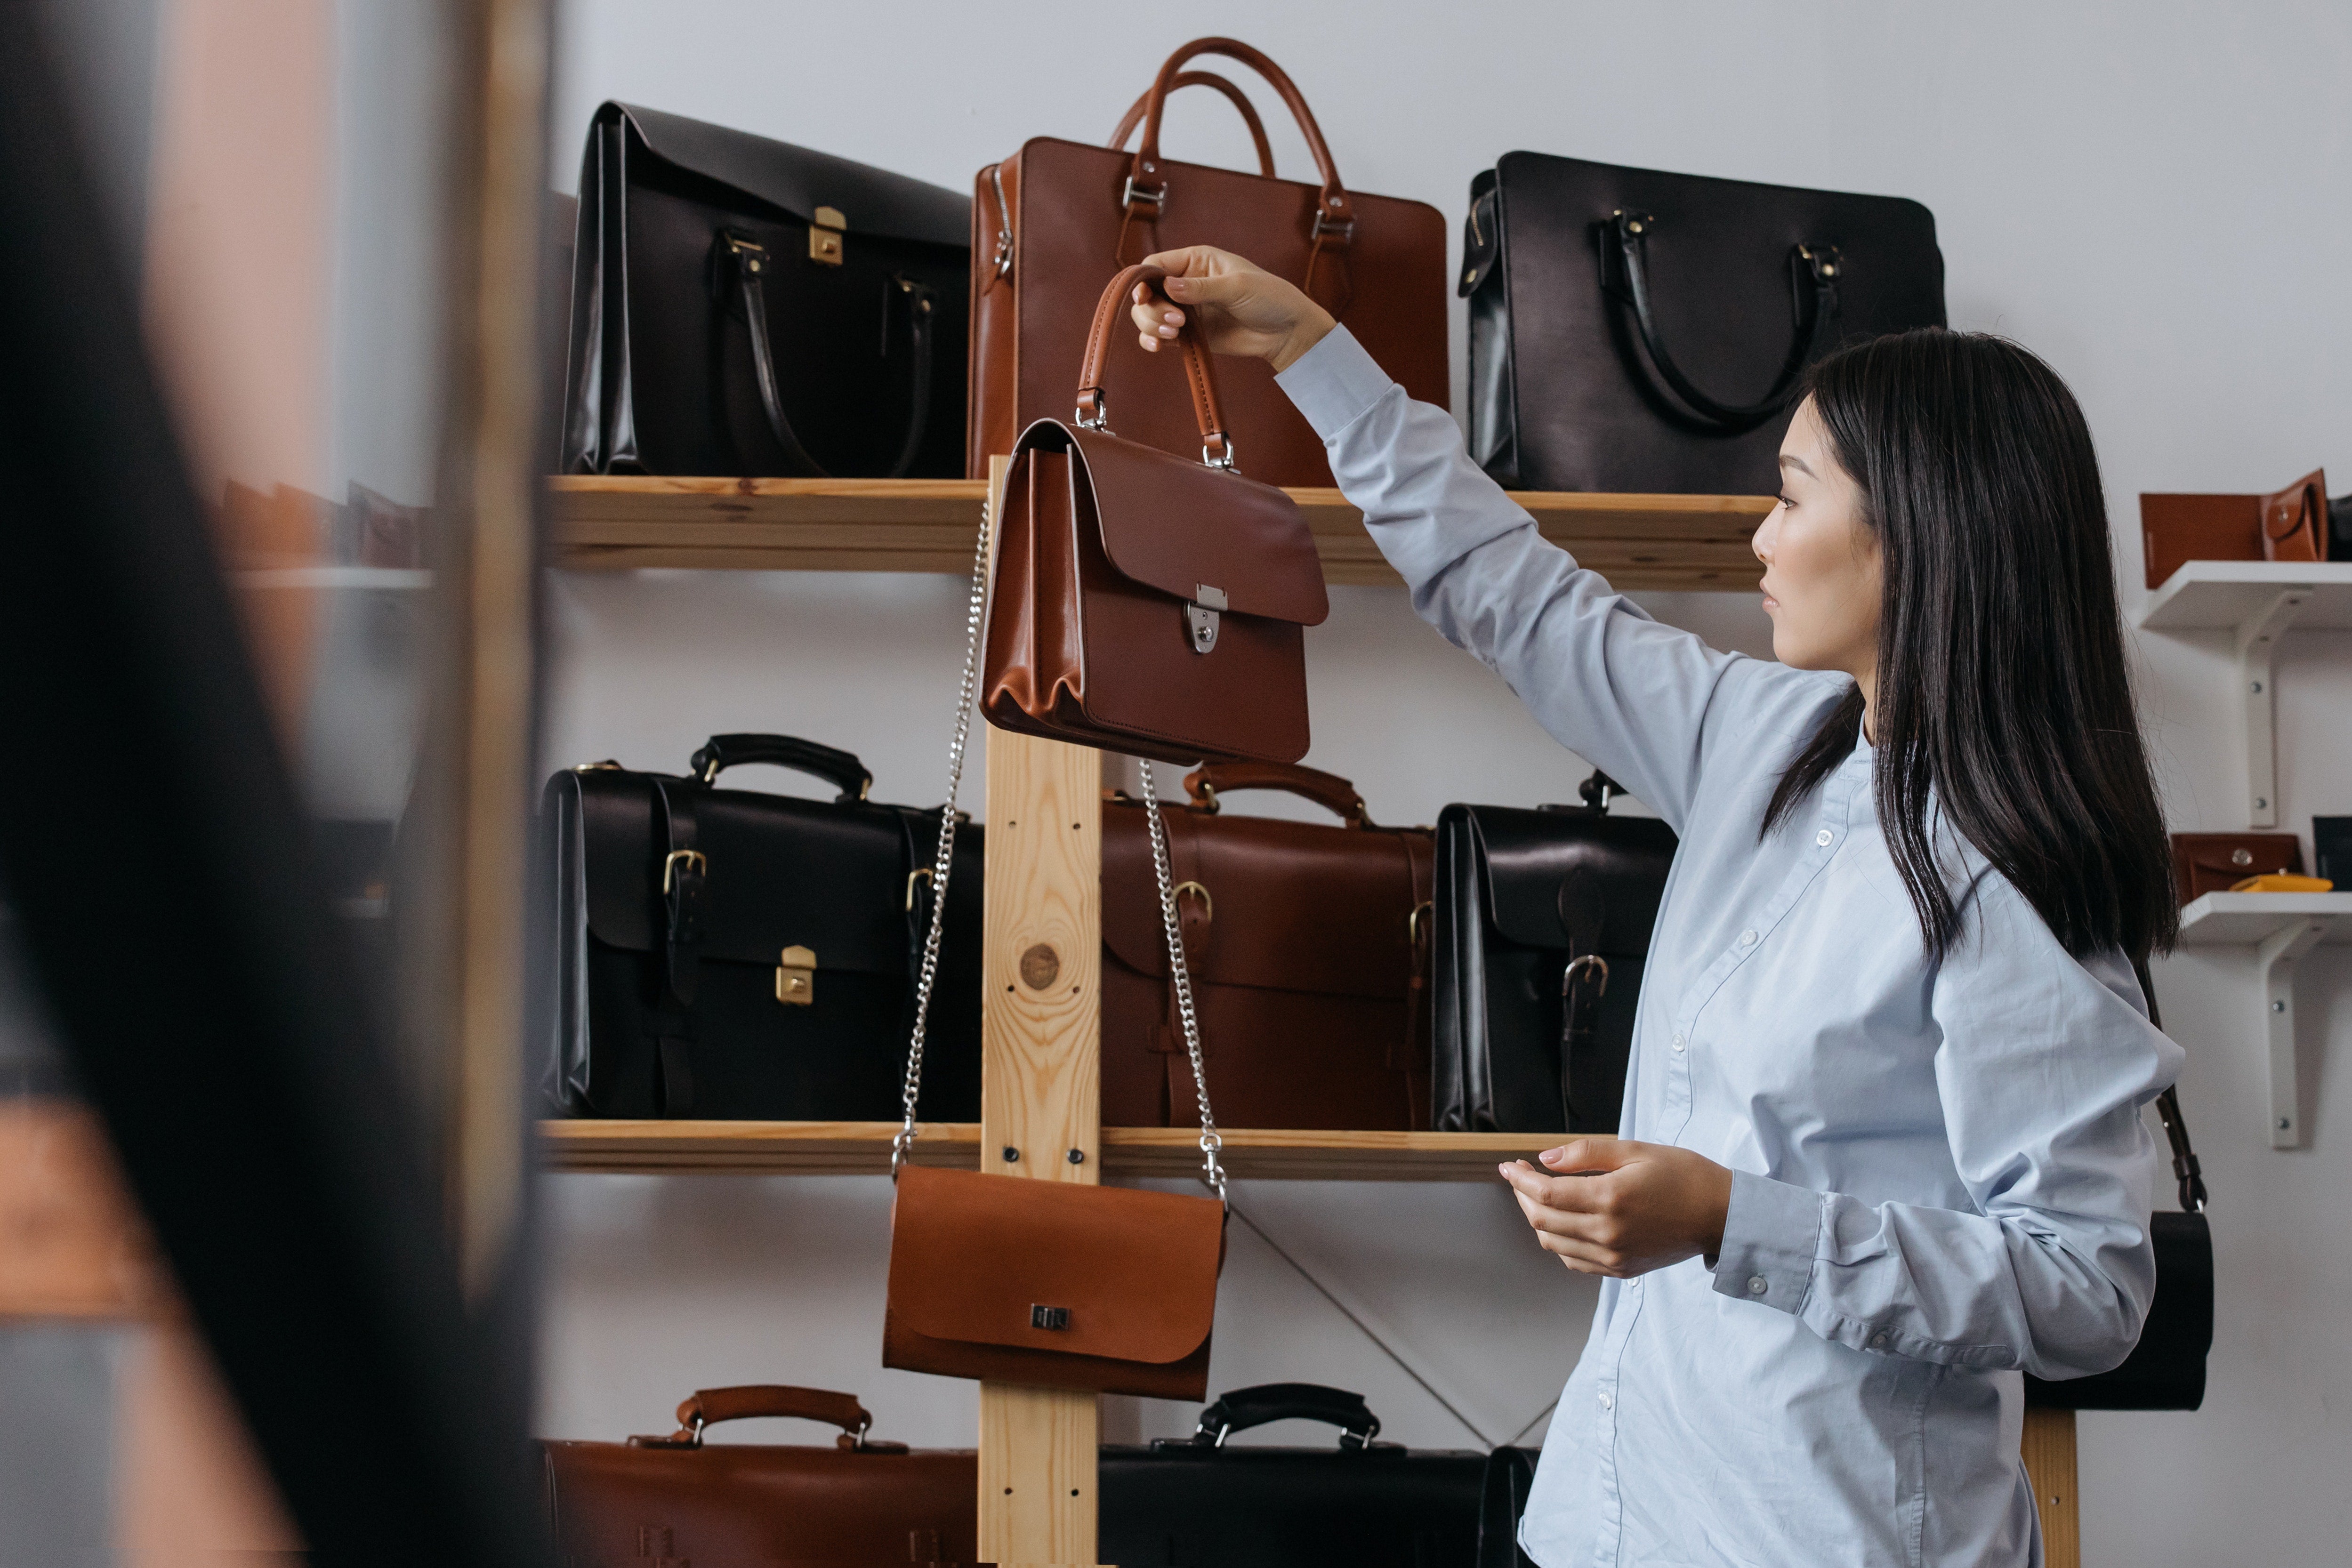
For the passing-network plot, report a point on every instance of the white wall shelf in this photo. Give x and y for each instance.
(2257, 600)
(2280, 927)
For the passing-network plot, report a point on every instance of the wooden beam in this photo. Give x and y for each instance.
(1041, 1105)
(2048, 1450)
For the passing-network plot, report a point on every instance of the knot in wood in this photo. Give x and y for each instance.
(1040, 967)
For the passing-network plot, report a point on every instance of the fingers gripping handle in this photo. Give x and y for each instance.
(1093, 408)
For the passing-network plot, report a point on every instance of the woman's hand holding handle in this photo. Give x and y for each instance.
(1237, 308)
(1618, 1208)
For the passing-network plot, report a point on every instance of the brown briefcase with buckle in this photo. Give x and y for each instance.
(1308, 945)
(677, 1500)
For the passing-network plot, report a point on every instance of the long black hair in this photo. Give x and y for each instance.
(2003, 700)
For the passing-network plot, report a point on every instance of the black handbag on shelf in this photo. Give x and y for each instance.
(1635, 330)
(743, 307)
(1509, 1476)
(726, 953)
(1199, 1502)
(2166, 1370)
(1542, 929)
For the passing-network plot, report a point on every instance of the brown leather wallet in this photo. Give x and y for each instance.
(2215, 863)
(2295, 521)
(2291, 525)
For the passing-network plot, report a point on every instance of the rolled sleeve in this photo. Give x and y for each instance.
(1772, 1235)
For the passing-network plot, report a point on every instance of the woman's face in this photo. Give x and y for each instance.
(1820, 560)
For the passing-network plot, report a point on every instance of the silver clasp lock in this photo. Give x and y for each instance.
(1202, 613)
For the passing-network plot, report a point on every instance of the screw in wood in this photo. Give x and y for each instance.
(1011, 1154)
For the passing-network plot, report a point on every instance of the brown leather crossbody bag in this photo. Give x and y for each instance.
(1058, 1284)
(1144, 602)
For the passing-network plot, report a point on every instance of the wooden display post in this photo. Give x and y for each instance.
(2049, 1452)
(1041, 1104)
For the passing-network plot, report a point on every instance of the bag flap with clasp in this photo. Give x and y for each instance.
(799, 180)
(1296, 907)
(1548, 868)
(782, 870)
(1130, 1275)
(1173, 525)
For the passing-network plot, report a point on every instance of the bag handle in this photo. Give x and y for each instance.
(2186, 1170)
(751, 261)
(1239, 1409)
(1180, 974)
(745, 1402)
(1628, 235)
(837, 767)
(1203, 78)
(1094, 411)
(1145, 195)
(1329, 790)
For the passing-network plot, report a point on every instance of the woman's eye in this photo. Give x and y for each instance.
(1787, 503)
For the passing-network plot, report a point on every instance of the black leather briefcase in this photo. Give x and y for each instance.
(743, 307)
(1509, 1477)
(1199, 1502)
(1633, 330)
(721, 953)
(1543, 926)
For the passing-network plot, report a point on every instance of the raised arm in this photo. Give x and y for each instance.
(1641, 701)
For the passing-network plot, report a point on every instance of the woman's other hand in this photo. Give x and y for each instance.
(1618, 1208)
(1237, 308)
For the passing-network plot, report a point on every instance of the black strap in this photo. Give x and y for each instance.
(1582, 983)
(685, 877)
(1629, 235)
(673, 1077)
(840, 769)
(922, 307)
(2185, 1167)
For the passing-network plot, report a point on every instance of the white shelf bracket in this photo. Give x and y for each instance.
(2258, 638)
(2278, 954)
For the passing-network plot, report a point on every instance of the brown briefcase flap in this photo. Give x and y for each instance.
(1292, 906)
(1130, 1275)
(1253, 545)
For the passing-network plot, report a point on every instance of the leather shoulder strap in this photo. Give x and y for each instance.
(2186, 1170)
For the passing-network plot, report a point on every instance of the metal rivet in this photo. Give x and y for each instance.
(2278, 1007)
(2258, 685)
(2284, 1123)
(1147, 169)
(2261, 804)
(1078, 1156)
(1011, 1154)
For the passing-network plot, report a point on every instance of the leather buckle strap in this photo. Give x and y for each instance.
(686, 872)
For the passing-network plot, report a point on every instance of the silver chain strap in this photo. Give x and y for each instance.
(1180, 976)
(1180, 972)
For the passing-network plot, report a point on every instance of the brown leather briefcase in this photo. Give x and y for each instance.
(2215, 863)
(2291, 525)
(1145, 602)
(1308, 946)
(653, 1501)
(1053, 220)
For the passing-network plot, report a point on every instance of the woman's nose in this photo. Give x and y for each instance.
(1767, 533)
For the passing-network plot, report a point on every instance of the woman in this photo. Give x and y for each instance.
(1881, 1142)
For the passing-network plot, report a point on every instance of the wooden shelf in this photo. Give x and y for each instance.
(1689, 543)
(863, 1148)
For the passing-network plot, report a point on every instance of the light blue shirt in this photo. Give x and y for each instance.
(1941, 1178)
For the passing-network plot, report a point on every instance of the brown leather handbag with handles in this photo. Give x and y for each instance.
(1144, 602)
(1055, 1283)
(1308, 950)
(1052, 219)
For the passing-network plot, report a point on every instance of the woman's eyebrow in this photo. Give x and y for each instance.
(1799, 465)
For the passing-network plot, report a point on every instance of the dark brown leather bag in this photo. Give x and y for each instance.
(1309, 947)
(1053, 219)
(2289, 526)
(2215, 863)
(2295, 521)
(655, 1501)
(1145, 602)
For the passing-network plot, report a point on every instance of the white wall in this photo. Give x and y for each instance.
(2153, 197)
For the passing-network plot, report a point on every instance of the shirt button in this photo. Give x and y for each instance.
(1824, 838)
(1679, 1041)
(1878, 1340)
(1606, 1401)
(1747, 939)
(1755, 1285)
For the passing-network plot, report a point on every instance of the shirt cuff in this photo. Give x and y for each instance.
(1771, 1233)
(1334, 383)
